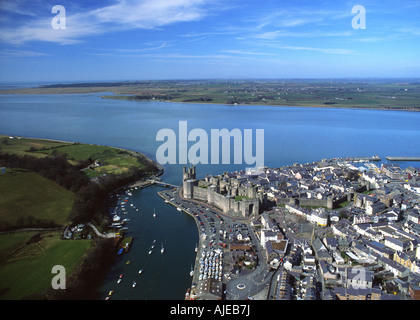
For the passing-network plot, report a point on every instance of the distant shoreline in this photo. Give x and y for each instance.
(323, 93)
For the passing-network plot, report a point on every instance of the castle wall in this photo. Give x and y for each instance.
(200, 193)
(211, 194)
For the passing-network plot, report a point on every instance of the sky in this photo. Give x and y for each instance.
(207, 39)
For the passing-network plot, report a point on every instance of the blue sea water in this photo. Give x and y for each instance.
(291, 135)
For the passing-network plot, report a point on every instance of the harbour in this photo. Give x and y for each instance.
(146, 271)
(209, 255)
(305, 136)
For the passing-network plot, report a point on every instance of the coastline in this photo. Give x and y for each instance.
(118, 95)
(90, 285)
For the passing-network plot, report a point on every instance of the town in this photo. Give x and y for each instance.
(337, 229)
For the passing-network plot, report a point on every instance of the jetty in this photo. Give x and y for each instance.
(102, 235)
(403, 158)
(165, 184)
(362, 159)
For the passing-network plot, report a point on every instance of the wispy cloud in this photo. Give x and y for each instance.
(323, 50)
(20, 53)
(119, 16)
(272, 35)
(253, 53)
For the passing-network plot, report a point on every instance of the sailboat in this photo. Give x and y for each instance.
(154, 213)
(162, 250)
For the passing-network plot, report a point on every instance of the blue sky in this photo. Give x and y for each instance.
(207, 39)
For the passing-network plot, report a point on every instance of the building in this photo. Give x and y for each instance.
(398, 244)
(359, 278)
(209, 289)
(394, 171)
(357, 294)
(414, 290)
(232, 196)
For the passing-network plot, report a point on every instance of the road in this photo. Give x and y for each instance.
(213, 224)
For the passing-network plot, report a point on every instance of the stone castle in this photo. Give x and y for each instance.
(230, 195)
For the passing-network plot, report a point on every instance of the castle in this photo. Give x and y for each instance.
(233, 196)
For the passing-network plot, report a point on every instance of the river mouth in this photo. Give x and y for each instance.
(158, 276)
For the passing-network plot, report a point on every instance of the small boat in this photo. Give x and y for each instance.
(128, 262)
(154, 213)
(150, 251)
(134, 284)
(196, 248)
(120, 251)
(192, 271)
(140, 271)
(179, 209)
(119, 280)
(162, 250)
(110, 292)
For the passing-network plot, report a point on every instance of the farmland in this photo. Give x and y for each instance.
(394, 94)
(46, 185)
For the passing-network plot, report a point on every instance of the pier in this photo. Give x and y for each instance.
(403, 158)
(359, 159)
(165, 184)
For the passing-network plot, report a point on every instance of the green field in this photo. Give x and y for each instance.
(28, 271)
(114, 160)
(395, 94)
(118, 164)
(21, 146)
(28, 198)
(79, 152)
(398, 95)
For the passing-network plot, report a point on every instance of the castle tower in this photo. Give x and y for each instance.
(330, 203)
(252, 191)
(189, 181)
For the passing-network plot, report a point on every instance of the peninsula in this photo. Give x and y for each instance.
(389, 94)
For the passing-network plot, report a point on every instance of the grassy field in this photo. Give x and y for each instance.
(28, 271)
(399, 94)
(21, 146)
(115, 160)
(27, 198)
(82, 151)
(332, 94)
